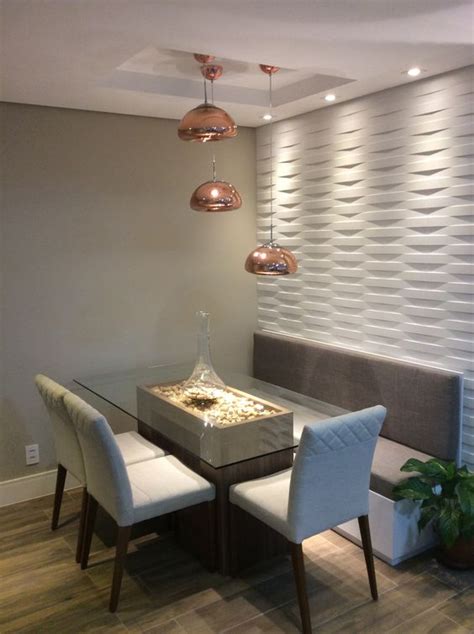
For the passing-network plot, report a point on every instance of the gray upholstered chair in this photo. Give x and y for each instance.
(327, 485)
(133, 493)
(133, 447)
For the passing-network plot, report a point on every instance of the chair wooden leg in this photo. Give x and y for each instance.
(368, 554)
(88, 530)
(123, 537)
(82, 524)
(300, 580)
(58, 495)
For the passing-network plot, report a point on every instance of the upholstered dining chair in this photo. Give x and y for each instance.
(133, 447)
(327, 485)
(130, 494)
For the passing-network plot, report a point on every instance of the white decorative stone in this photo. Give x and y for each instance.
(237, 427)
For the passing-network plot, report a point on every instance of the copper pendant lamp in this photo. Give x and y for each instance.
(203, 59)
(270, 258)
(215, 195)
(207, 122)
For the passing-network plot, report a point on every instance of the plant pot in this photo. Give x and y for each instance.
(459, 556)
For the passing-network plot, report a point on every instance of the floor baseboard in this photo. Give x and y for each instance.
(30, 487)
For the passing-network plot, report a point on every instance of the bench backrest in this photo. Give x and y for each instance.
(424, 405)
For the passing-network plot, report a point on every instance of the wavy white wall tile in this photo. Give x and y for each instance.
(375, 196)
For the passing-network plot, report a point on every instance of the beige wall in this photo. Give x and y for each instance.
(103, 262)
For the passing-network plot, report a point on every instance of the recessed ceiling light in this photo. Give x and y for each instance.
(330, 97)
(414, 72)
(267, 116)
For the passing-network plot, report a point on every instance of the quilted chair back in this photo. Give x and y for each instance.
(331, 473)
(107, 478)
(68, 450)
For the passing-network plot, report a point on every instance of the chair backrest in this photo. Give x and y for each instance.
(331, 473)
(106, 473)
(68, 450)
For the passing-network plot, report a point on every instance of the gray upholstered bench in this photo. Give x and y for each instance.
(424, 408)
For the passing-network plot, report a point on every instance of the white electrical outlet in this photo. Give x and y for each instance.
(32, 454)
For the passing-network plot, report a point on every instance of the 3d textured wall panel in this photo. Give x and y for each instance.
(375, 197)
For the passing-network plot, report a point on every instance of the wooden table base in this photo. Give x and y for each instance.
(248, 540)
(106, 527)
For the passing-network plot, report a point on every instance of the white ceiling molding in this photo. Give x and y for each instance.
(177, 74)
(135, 56)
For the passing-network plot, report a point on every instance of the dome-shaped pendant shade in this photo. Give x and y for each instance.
(269, 70)
(206, 122)
(215, 196)
(271, 259)
(211, 72)
(203, 59)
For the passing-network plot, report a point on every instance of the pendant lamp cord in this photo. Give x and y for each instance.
(213, 153)
(212, 102)
(271, 159)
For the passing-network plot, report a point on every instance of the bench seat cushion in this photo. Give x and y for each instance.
(389, 457)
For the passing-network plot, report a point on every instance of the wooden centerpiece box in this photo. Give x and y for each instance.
(235, 427)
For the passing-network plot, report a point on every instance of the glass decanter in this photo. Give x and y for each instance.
(204, 386)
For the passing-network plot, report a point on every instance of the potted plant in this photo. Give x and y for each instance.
(446, 494)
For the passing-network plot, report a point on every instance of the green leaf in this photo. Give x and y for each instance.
(451, 470)
(428, 513)
(467, 527)
(413, 489)
(448, 525)
(413, 465)
(464, 472)
(465, 494)
(433, 468)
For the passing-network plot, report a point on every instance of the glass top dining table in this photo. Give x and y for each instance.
(124, 390)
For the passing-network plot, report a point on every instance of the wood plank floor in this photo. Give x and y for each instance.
(167, 591)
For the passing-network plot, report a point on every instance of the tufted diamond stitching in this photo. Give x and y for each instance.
(344, 435)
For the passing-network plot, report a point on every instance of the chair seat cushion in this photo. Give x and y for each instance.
(164, 485)
(266, 499)
(135, 448)
(389, 457)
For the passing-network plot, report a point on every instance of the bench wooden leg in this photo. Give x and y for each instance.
(300, 580)
(368, 554)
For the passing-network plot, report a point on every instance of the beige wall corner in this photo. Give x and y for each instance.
(104, 264)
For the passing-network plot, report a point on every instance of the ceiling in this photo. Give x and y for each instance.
(135, 56)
